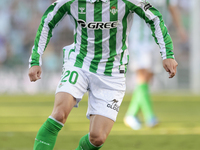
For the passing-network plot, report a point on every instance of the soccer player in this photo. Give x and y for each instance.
(97, 62)
(144, 62)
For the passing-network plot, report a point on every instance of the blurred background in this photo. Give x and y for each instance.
(24, 106)
(18, 26)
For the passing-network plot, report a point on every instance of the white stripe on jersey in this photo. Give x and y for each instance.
(91, 38)
(105, 36)
(119, 39)
(158, 33)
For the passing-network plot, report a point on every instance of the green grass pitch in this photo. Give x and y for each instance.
(179, 128)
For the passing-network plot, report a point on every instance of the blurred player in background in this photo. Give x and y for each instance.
(145, 62)
(96, 63)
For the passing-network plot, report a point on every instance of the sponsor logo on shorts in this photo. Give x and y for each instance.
(113, 105)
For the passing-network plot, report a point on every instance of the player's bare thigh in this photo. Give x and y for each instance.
(143, 76)
(64, 102)
(100, 128)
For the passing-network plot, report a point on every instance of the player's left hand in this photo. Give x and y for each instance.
(170, 66)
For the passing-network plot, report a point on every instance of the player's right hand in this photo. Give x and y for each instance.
(35, 73)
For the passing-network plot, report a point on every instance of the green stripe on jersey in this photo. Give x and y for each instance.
(124, 24)
(166, 37)
(141, 13)
(76, 26)
(75, 22)
(56, 19)
(35, 55)
(98, 38)
(84, 36)
(112, 40)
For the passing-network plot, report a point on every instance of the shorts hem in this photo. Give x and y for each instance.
(78, 99)
(112, 118)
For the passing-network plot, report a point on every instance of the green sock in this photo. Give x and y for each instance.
(146, 105)
(141, 99)
(47, 134)
(85, 144)
(134, 105)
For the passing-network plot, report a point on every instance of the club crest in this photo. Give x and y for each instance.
(113, 10)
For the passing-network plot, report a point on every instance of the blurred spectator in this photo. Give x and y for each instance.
(19, 19)
(3, 52)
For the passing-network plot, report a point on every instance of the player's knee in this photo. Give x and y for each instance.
(59, 115)
(97, 139)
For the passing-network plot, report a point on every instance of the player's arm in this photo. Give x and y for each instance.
(175, 13)
(49, 21)
(154, 20)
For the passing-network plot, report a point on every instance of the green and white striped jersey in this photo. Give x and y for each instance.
(140, 33)
(101, 30)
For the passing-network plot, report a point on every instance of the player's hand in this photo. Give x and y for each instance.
(35, 73)
(170, 66)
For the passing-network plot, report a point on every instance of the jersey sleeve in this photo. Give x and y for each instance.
(153, 19)
(49, 21)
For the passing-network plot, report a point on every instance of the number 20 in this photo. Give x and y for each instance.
(73, 76)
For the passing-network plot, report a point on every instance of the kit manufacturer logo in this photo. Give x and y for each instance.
(81, 10)
(113, 105)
